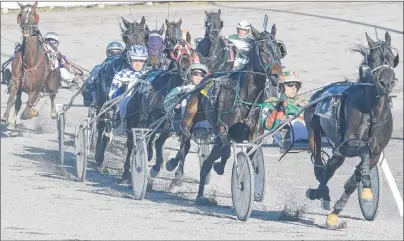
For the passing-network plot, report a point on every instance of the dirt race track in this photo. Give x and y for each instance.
(41, 200)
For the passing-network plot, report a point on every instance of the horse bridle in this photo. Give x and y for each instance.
(267, 68)
(212, 30)
(377, 70)
(33, 27)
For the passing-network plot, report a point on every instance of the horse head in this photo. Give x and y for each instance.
(184, 55)
(155, 45)
(28, 19)
(213, 24)
(134, 33)
(379, 63)
(173, 33)
(266, 53)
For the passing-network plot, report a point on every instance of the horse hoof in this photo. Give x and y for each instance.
(173, 187)
(203, 201)
(11, 126)
(326, 205)
(4, 121)
(332, 221)
(367, 195)
(153, 173)
(171, 164)
(219, 168)
(34, 113)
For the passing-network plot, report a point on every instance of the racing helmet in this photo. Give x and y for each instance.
(137, 52)
(289, 77)
(244, 24)
(196, 66)
(52, 37)
(114, 45)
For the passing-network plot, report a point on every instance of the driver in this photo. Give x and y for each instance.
(195, 73)
(242, 40)
(289, 103)
(52, 38)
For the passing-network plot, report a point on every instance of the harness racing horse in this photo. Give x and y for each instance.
(132, 34)
(214, 51)
(360, 123)
(32, 69)
(227, 103)
(146, 104)
(179, 160)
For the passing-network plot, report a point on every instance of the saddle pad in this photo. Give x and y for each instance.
(326, 108)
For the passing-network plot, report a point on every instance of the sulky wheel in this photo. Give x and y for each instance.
(61, 136)
(259, 175)
(204, 151)
(242, 186)
(370, 211)
(81, 150)
(139, 169)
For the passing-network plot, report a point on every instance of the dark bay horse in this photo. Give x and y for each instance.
(132, 34)
(33, 71)
(146, 104)
(179, 160)
(360, 123)
(228, 104)
(214, 51)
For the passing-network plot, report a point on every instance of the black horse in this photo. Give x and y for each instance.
(358, 121)
(146, 103)
(179, 160)
(132, 34)
(227, 103)
(214, 51)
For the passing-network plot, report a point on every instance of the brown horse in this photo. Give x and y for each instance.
(32, 69)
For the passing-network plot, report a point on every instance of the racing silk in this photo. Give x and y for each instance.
(92, 79)
(243, 46)
(123, 80)
(174, 95)
(272, 117)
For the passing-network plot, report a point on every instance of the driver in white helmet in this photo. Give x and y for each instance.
(242, 41)
(195, 73)
(53, 40)
(137, 56)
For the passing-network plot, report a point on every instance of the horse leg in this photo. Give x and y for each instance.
(29, 111)
(14, 88)
(17, 108)
(159, 144)
(180, 158)
(205, 169)
(53, 109)
(314, 131)
(126, 166)
(350, 186)
(219, 166)
(173, 162)
(150, 148)
(101, 144)
(364, 167)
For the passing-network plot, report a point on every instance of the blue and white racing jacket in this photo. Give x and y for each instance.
(124, 80)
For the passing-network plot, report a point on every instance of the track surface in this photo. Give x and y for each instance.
(41, 200)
